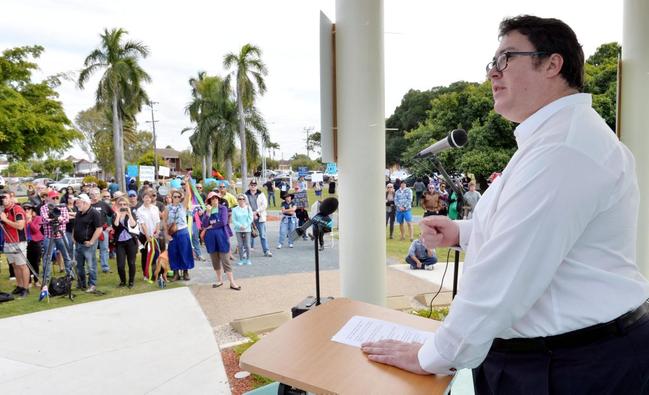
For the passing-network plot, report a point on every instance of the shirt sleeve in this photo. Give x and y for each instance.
(527, 240)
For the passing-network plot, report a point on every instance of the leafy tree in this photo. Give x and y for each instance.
(143, 143)
(97, 142)
(468, 106)
(246, 65)
(301, 160)
(32, 120)
(412, 111)
(18, 169)
(146, 159)
(600, 80)
(120, 88)
(313, 141)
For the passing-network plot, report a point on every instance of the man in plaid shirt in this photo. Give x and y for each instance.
(403, 202)
(52, 237)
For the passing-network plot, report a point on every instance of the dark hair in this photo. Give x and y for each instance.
(552, 36)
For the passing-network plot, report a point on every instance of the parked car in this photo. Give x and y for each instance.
(44, 181)
(74, 182)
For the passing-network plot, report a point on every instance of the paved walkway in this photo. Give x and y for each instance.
(153, 343)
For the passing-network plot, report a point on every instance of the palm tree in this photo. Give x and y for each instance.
(214, 112)
(245, 65)
(120, 88)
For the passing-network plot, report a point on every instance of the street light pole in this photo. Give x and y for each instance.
(155, 157)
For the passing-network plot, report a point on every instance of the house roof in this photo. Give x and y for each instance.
(168, 152)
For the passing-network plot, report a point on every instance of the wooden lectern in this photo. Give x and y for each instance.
(301, 353)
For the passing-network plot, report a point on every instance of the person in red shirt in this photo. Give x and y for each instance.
(13, 225)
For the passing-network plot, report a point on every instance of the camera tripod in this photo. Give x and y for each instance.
(69, 275)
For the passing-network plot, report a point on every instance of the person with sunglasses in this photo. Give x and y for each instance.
(181, 257)
(126, 230)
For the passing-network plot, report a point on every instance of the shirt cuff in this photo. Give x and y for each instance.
(466, 227)
(431, 361)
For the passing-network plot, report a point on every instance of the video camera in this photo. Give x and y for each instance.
(54, 213)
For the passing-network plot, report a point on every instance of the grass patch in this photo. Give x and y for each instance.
(258, 381)
(437, 314)
(106, 283)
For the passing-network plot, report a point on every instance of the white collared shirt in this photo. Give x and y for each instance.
(551, 247)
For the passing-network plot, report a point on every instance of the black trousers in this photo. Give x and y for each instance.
(615, 365)
(126, 252)
(34, 253)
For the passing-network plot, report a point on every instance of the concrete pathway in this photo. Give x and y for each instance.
(153, 343)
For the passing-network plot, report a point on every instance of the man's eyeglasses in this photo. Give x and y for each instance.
(199, 187)
(177, 196)
(500, 62)
(55, 198)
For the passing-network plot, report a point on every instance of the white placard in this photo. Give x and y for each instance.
(316, 177)
(163, 171)
(359, 330)
(147, 173)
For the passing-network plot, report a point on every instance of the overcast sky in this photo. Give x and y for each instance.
(427, 43)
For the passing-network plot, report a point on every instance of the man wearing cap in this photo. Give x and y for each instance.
(289, 221)
(54, 234)
(107, 213)
(258, 205)
(132, 199)
(87, 230)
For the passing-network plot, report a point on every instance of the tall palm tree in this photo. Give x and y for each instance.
(120, 87)
(246, 65)
(214, 112)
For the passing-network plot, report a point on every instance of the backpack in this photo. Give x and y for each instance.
(61, 286)
(5, 297)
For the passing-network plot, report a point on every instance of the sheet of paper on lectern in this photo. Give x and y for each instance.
(359, 330)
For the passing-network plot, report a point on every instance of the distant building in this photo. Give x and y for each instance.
(171, 158)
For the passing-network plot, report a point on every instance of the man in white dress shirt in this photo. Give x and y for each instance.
(551, 299)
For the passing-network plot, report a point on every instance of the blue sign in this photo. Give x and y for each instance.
(131, 170)
(302, 171)
(331, 168)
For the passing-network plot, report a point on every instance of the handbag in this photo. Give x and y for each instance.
(254, 232)
(173, 228)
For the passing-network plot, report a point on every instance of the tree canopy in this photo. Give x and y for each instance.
(424, 117)
(32, 120)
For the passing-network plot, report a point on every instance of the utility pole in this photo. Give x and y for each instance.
(307, 140)
(155, 157)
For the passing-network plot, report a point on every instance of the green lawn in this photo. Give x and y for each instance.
(107, 283)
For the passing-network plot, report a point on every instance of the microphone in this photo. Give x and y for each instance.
(456, 138)
(327, 207)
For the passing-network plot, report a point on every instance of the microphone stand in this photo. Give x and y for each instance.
(460, 199)
(316, 238)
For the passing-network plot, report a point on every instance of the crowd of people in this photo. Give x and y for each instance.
(432, 195)
(165, 225)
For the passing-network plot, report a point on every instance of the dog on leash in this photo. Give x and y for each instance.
(161, 269)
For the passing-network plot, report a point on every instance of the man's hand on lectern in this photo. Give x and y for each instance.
(392, 352)
(439, 231)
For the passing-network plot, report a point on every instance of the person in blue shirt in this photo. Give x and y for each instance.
(420, 257)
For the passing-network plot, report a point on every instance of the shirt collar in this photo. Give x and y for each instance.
(525, 130)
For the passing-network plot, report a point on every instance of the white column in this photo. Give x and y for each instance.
(361, 148)
(634, 117)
